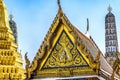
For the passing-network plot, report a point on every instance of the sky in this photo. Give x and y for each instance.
(34, 17)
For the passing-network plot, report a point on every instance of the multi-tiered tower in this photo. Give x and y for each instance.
(111, 42)
(10, 59)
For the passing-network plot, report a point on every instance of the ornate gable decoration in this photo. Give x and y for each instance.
(63, 57)
(64, 54)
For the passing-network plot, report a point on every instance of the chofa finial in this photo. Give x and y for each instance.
(87, 32)
(59, 4)
(87, 25)
(109, 8)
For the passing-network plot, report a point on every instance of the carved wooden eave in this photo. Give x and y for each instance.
(116, 66)
(105, 68)
(93, 61)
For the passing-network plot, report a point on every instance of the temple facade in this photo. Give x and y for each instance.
(68, 54)
(10, 60)
(65, 53)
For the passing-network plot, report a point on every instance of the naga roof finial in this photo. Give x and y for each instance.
(87, 25)
(87, 32)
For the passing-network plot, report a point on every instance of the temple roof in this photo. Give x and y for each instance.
(89, 43)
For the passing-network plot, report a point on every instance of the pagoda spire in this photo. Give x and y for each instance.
(111, 41)
(11, 16)
(13, 27)
(109, 8)
(4, 16)
(1, 0)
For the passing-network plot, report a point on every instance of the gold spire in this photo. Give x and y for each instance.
(4, 16)
(109, 8)
(1, 0)
(11, 60)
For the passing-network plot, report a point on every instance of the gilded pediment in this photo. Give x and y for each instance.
(64, 58)
(64, 54)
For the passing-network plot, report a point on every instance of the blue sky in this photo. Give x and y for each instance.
(34, 17)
